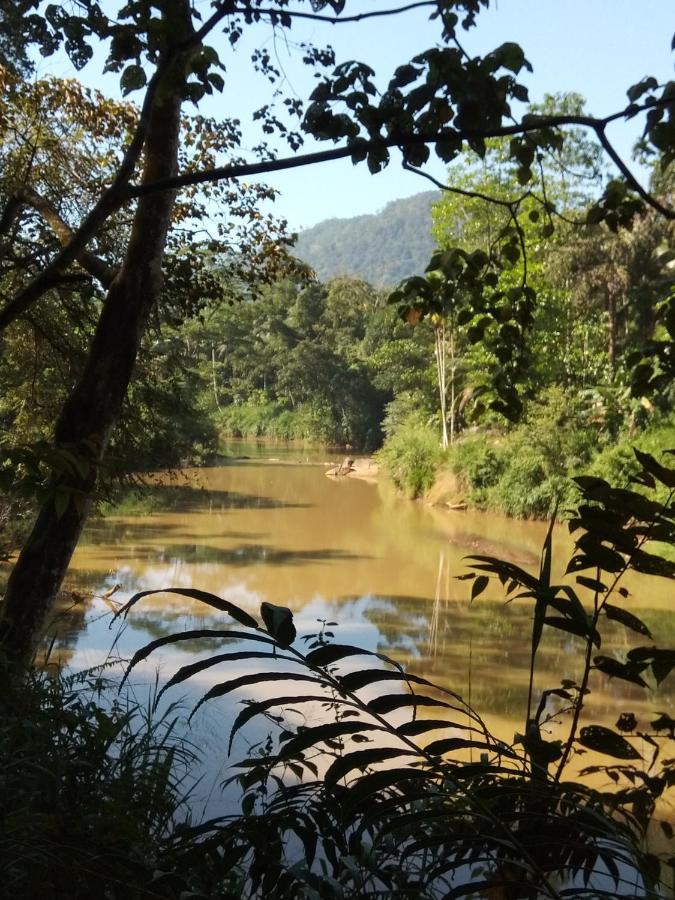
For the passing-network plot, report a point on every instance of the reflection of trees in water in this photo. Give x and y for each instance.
(160, 624)
(67, 623)
(441, 597)
(482, 649)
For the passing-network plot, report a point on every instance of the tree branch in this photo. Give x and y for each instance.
(472, 195)
(628, 175)
(111, 200)
(240, 170)
(337, 20)
(89, 261)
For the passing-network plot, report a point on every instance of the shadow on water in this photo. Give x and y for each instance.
(109, 531)
(196, 498)
(241, 555)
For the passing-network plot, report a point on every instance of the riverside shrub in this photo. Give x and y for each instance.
(412, 456)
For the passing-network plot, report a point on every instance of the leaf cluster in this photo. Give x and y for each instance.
(406, 791)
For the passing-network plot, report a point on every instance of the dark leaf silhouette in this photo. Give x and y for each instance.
(604, 740)
(361, 760)
(279, 623)
(239, 615)
(617, 614)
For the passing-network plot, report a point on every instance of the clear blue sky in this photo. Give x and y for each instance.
(594, 47)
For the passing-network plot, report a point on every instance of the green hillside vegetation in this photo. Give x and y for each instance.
(382, 248)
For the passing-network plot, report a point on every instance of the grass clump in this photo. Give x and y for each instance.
(92, 790)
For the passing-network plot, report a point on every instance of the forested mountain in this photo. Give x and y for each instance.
(382, 248)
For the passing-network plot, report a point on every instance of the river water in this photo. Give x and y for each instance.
(343, 550)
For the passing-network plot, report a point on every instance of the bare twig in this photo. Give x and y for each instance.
(337, 20)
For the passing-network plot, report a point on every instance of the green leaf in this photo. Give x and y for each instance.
(637, 90)
(353, 681)
(661, 473)
(595, 215)
(449, 745)
(511, 56)
(664, 723)
(420, 726)
(389, 702)
(663, 664)
(604, 740)
(217, 81)
(592, 584)
(523, 175)
(650, 564)
(198, 634)
(311, 737)
(360, 759)
(254, 709)
(201, 665)
(330, 653)
(234, 684)
(572, 627)
(625, 671)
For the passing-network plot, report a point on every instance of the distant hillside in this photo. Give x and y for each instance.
(382, 248)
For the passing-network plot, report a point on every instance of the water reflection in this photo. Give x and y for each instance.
(341, 550)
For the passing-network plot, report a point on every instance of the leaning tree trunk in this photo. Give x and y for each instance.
(91, 411)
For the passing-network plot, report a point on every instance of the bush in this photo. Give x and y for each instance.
(618, 464)
(412, 456)
(307, 422)
(527, 490)
(478, 463)
(529, 469)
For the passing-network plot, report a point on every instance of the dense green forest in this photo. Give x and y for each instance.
(150, 310)
(347, 364)
(381, 248)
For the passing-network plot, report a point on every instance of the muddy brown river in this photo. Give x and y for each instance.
(273, 527)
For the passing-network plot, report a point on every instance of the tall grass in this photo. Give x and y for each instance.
(93, 787)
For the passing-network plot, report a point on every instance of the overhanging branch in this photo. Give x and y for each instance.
(628, 175)
(244, 170)
(470, 195)
(337, 20)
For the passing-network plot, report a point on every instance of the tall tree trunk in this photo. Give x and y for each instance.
(91, 411)
(453, 370)
(612, 327)
(439, 335)
(213, 376)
